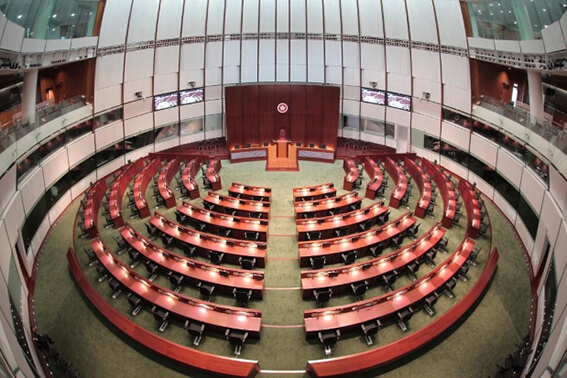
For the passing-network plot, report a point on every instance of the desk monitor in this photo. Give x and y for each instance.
(191, 96)
(165, 101)
(333, 273)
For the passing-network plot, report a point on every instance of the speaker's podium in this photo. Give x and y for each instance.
(281, 159)
(282, 150)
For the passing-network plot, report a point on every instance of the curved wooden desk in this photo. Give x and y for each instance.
(94, 198)
(180, 353)
(376, 177)
(166, 175)
(472, 206)
(243, 208)
(212, 173)
(188, 177)
(446, 189)
(141, 184)
(119, 188)
(423, 183)
(310, 193)
(329, 206)
(399, 178)
(256, 193)
(352, 174)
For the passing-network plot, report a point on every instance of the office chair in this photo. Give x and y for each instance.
(265, 144)
(90, 255)
(101, 270)
(248, 145)
(341, 231)
(122, 244)
(242, 296)
(162, 316)
(176, 280)
(224, 232)
(472, 257)
(403, 316)
(207, 183)
(188, 249)
(115, 286)
(236, 338)
(317, 262)
(383, 218)
(376, 249)
(152, 269)
(456, 219)
(134, 256)
(462, 273)
(483, 228)
(429, 301)
(313, 235)
(413, 230)
(349, 257)
(322, 295)
(412, 268)
(312, 145)
(152, 230)
(236, 146)
(251, 236)
(358, 183)
(167, 240)
(216, 257)
(247, 263)
(370, 328)
(209, 206)
(298, 144)
(109, 220)
(229, 211)
(323, 145)
(397, 240)
(388, 279)
(195, 329)
(366, 225)
(359, 289)
(206, 290)
(329, 338)
(449, 286)
(430, 257)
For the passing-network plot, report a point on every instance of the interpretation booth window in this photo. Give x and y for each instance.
(373, 96)
(191, 96)
(165, 101)
(399, 101)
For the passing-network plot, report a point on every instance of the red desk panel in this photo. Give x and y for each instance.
(256, 193)
(214, 220)
(94, 195)
(399, 178)
(167, 174)
(332, 248)
(141, 184)
(327, 225)
(351, 170)
(189, 356)
(339, 279)
(323, 207)
(212, 173)
(232, 248)
(376, 177)
(446, 189)
(472, 206)
(188, 177)
(224, 278)
(423, 184)
(242, 207)
(309, 193)
(349, 317)
(119, 188)
(217, 317)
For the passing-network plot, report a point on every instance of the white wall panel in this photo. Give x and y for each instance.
(57, 44)
(107, 98)
(395, 19)
(216, 14)
(456, 71)
(109, 134)
(351, 93)
(213, 93)
(297, 16)
(143, 85)
(249, 61)
(351, 107)
(332, 16)
(55, 166)
(81, 186)
(79, 149)
(54, 213)
(372, 111)
(532, 189)
(525, 236)
(315, 17)
(428, 108)
(372, 57)
(213, 54)
(169, 143)
(399, 83)
(114, 23)
(457, 98)
(166, 116)
(194, 17)
(143, 21)
(231, 75)
(267, 16)
(398, 60)
(553, 38)
(32, 45)
(350, 17)
(510, 167)
(508, 210)
(7, 187)
(250, 16)
(231, 53)
(167, 60)
(32, 189)
(333, 75)
(333, 53)
(140, 152)
(550, 222)
(456, 135)
(109, 70)
(108, 168)
(425, 65)
(169, 24)
(139, 124)
(422, 86)
(351, 55)
(282, 72)
(484, 149)
(213, 107)
(15, 213)
(450, 23)
(422, 23)
(351, 76)
(560, 256)
(192, 111)
(397, 116)
(165, 83)
(232, 24)
(267, 52)
(558, 187)
(185, 139)
(135, 108)
(370, 15)
(4, 256)
(452, 166)
(429, 125)
(282, 14)
(139, 64)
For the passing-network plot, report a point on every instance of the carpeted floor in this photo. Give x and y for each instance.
(472, 349)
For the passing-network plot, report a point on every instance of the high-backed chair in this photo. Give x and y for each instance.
(242, 296)
(370, 328)
(317, 262)
(359, 289)
(349, 257)
(136, 302)
(195, 329)
(206, 289)
(162, 316)
(236, 338)
(247, 262)
(322, 296)
(329, 338)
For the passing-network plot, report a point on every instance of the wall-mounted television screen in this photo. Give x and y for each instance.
(165, 101)
(372, 96)
(191, 96)
(399, 101)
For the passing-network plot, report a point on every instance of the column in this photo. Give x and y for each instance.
(29, 96)
(522, 19)
(536, 95)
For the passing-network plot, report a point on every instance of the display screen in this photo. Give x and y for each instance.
(191, 96)
(165, 101)
(372, 96)
(399, 101)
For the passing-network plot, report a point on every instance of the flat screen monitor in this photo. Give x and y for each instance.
(399, 101)
(372, 96)
(165, 101)
(191, 96)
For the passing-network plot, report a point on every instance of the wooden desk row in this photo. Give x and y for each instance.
(212, 173)
(188, 356)
(360, 242)
(423, 183)
(215, 316)
(399, 177)
(232, 248)
(94, 196)
(330, 206)
(192, 270)
(345, 223)
(472, 206)
(315, 192)
(445, 188)
(215, 222)
(339, 279)
(383, 355)
(256, 193)
(188, 177)
(141, 184)
(385, 307)
(119, 188)
(167, 174)
(352, 174)
(376, 177)
(242, 207)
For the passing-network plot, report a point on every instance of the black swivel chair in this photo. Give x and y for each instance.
(115, 286)
(236, 338)
(449, 286)
(413, 230)
(216, 257)
(317, 262)
(251, 236)
(388, 279)
(152, 269)
(224, 232)
(176, 280)
(322, 296)
(329, 338)
(152, 230)
(242, 296)
(162, 316)
(341, 231)
(359, 289)
(195, 329)
(404, 315)
(383, 218)
(91, 256)
(429, 301)
(412, 269)
(135, 302)
(313, 235)
(349, 257)
(206, 289)
(101, 270)
(247, 262)
(376, 249)
(370, 328)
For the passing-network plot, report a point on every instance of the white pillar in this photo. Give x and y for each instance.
(536, 95)
(29, 96)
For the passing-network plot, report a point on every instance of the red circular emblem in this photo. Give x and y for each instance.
(282, 107)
